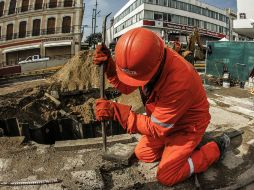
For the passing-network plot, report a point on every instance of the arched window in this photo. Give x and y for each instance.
(66, 24)
(36, 27)
(68, 3)
(51, 25)
(12, 7)
(9, 32)
(25, 4)
(52, 3)
(38, 4)
(22, 29)
(1, 8)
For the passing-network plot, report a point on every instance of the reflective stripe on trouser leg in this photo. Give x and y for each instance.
(191, 166)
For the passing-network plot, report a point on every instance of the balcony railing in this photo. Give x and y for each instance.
(41, 6)
(43, 32)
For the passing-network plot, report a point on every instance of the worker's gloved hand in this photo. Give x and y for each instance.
(101, 55)
(108, 110)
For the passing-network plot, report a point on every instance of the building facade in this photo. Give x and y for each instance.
(173, 18)
(244, 24)
(48, 28)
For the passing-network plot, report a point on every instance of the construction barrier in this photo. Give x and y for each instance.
(237, 57)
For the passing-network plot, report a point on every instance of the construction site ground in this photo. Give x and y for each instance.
(82, 167)
(78, 164)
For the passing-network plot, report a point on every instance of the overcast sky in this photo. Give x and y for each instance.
(107, 6)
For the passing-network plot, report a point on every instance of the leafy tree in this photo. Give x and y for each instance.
(94, 38)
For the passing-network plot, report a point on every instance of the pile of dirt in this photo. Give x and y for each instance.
(77, 74)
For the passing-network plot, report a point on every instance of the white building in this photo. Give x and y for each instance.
(244, 24)
(172, 18)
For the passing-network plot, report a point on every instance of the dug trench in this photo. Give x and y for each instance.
(63, 107)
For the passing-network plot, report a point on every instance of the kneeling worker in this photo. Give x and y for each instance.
(177, 110)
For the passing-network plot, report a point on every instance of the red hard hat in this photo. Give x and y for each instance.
(138, 54)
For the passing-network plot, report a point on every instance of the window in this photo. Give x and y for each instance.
(175, 18)
(161, 2)
(205, 25)
(66, 25)
(202, 24)
(52, 3)
(9, 32)
(134, 19)
(183, 20)
(1, 8)
(12, 7)
(169, 17)
(158, 16)
(0, 32)
(191, 21)
(51, 25)
(36, 27)
(38, 4)
(165, 17)
(25, 4)
(242, 15)
(22, 29)
(149, 15)
(68, 3)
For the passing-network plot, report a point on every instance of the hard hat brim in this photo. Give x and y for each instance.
(131, 81)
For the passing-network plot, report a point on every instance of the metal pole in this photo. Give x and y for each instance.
(102, 84)
(95, 16)
(92, 21)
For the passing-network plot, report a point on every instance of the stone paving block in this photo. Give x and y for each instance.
(88, 179)
(92, 142)
(120, 153)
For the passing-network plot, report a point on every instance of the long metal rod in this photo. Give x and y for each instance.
(102, 84)
(36, 182)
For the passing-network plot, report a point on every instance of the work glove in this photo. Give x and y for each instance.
(108, 110)
(102, 55)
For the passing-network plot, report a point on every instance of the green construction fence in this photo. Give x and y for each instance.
(238, 57)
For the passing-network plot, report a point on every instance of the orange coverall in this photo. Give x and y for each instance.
(177, 117)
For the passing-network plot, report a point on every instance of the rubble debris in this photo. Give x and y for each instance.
(88, 179)
(53, 99)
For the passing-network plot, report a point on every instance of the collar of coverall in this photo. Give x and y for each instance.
(148, 88)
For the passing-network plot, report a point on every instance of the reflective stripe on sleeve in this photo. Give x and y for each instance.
(156, 121)
(191, 166)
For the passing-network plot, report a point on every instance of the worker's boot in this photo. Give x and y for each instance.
(223, 143)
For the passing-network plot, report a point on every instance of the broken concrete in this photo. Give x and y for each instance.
(88, 179)
(120, 153)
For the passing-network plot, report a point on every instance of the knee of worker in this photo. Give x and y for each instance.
(145, 154)
(170, 176)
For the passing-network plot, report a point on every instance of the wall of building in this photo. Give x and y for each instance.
(247, 7)
(60, 31)
(188, 13)
(58, 52)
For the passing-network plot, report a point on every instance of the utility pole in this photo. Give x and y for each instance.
(95, 16)
(93, 21)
